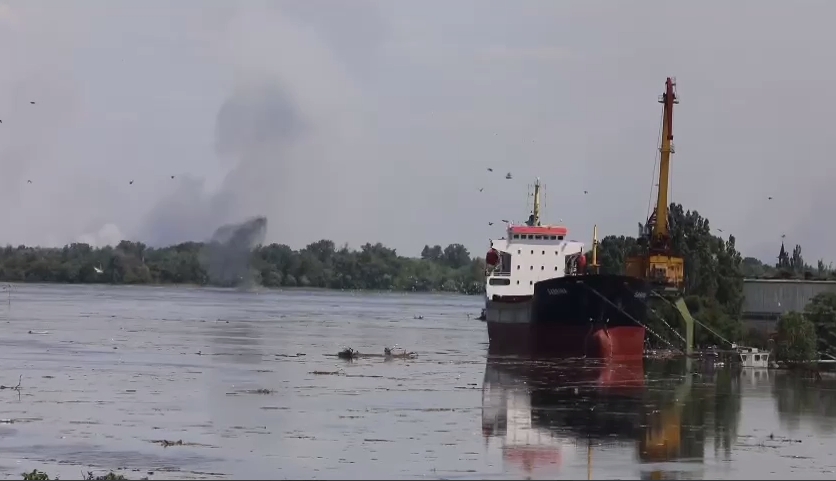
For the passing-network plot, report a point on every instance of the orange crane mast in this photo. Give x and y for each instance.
(657, 263)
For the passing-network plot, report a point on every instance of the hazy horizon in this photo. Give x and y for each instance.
(375, 121)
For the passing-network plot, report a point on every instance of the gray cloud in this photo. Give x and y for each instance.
(377, 122)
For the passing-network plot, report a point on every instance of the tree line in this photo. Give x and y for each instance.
(714, 268)
(789, 265)
(320, 264)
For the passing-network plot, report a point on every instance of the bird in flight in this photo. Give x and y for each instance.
(490, 223)
(131, 183)
(481, 189)
(29, 181)
(490, 169)
(98, 270)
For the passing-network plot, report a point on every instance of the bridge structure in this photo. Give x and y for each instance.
(765, 300)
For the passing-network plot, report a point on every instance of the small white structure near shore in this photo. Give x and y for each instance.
(752, 357)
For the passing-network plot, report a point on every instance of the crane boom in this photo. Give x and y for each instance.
(661, 234)
(657, 263)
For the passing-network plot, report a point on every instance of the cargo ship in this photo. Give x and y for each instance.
(542, 298)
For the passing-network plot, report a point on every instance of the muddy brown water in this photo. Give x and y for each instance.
(218, 384)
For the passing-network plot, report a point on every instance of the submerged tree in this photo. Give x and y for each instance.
(821, 311)
(796, 339)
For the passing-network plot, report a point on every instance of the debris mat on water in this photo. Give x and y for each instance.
(388, 353)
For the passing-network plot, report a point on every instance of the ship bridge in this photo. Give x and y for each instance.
(529, 254)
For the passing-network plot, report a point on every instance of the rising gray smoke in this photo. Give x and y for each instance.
(292, 119)
(226, 257)
(255, 130)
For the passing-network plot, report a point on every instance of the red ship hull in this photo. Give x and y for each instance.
(556, 340)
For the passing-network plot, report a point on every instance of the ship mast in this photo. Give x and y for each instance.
(595, 264)
(535, 221)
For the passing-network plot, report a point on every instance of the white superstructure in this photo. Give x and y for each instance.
(528, 253)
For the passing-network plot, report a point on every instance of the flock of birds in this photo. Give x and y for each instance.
(31, 102)
(508, 176)
(130, 182)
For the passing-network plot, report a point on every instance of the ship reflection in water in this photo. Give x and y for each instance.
(571, 418)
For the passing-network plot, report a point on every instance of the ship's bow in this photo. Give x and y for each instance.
(600, 316)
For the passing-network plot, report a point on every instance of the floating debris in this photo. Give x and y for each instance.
(166, 443)
(388, 353)
(397, 352)
(251, 391)
(348, 353)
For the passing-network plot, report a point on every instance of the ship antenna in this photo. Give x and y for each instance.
(595, 265)
(536, 211)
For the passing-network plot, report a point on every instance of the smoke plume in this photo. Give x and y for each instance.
(227, 255)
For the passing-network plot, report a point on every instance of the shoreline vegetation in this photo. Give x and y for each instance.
(714, 269)
(713, 264)
(318, 265)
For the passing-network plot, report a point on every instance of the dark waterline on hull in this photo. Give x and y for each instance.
(557, 341)
(599, 316)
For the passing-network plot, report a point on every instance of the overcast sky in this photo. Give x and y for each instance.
(376, 121)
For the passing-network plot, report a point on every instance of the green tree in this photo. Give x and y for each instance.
(431, 253)
(713, 276)
(796, 339)
(755, 269)
(456, 256)
(821, 311)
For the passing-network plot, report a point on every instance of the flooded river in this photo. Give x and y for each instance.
(214, 384)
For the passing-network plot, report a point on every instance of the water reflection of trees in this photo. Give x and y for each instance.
(724, 414)
(797, 398)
